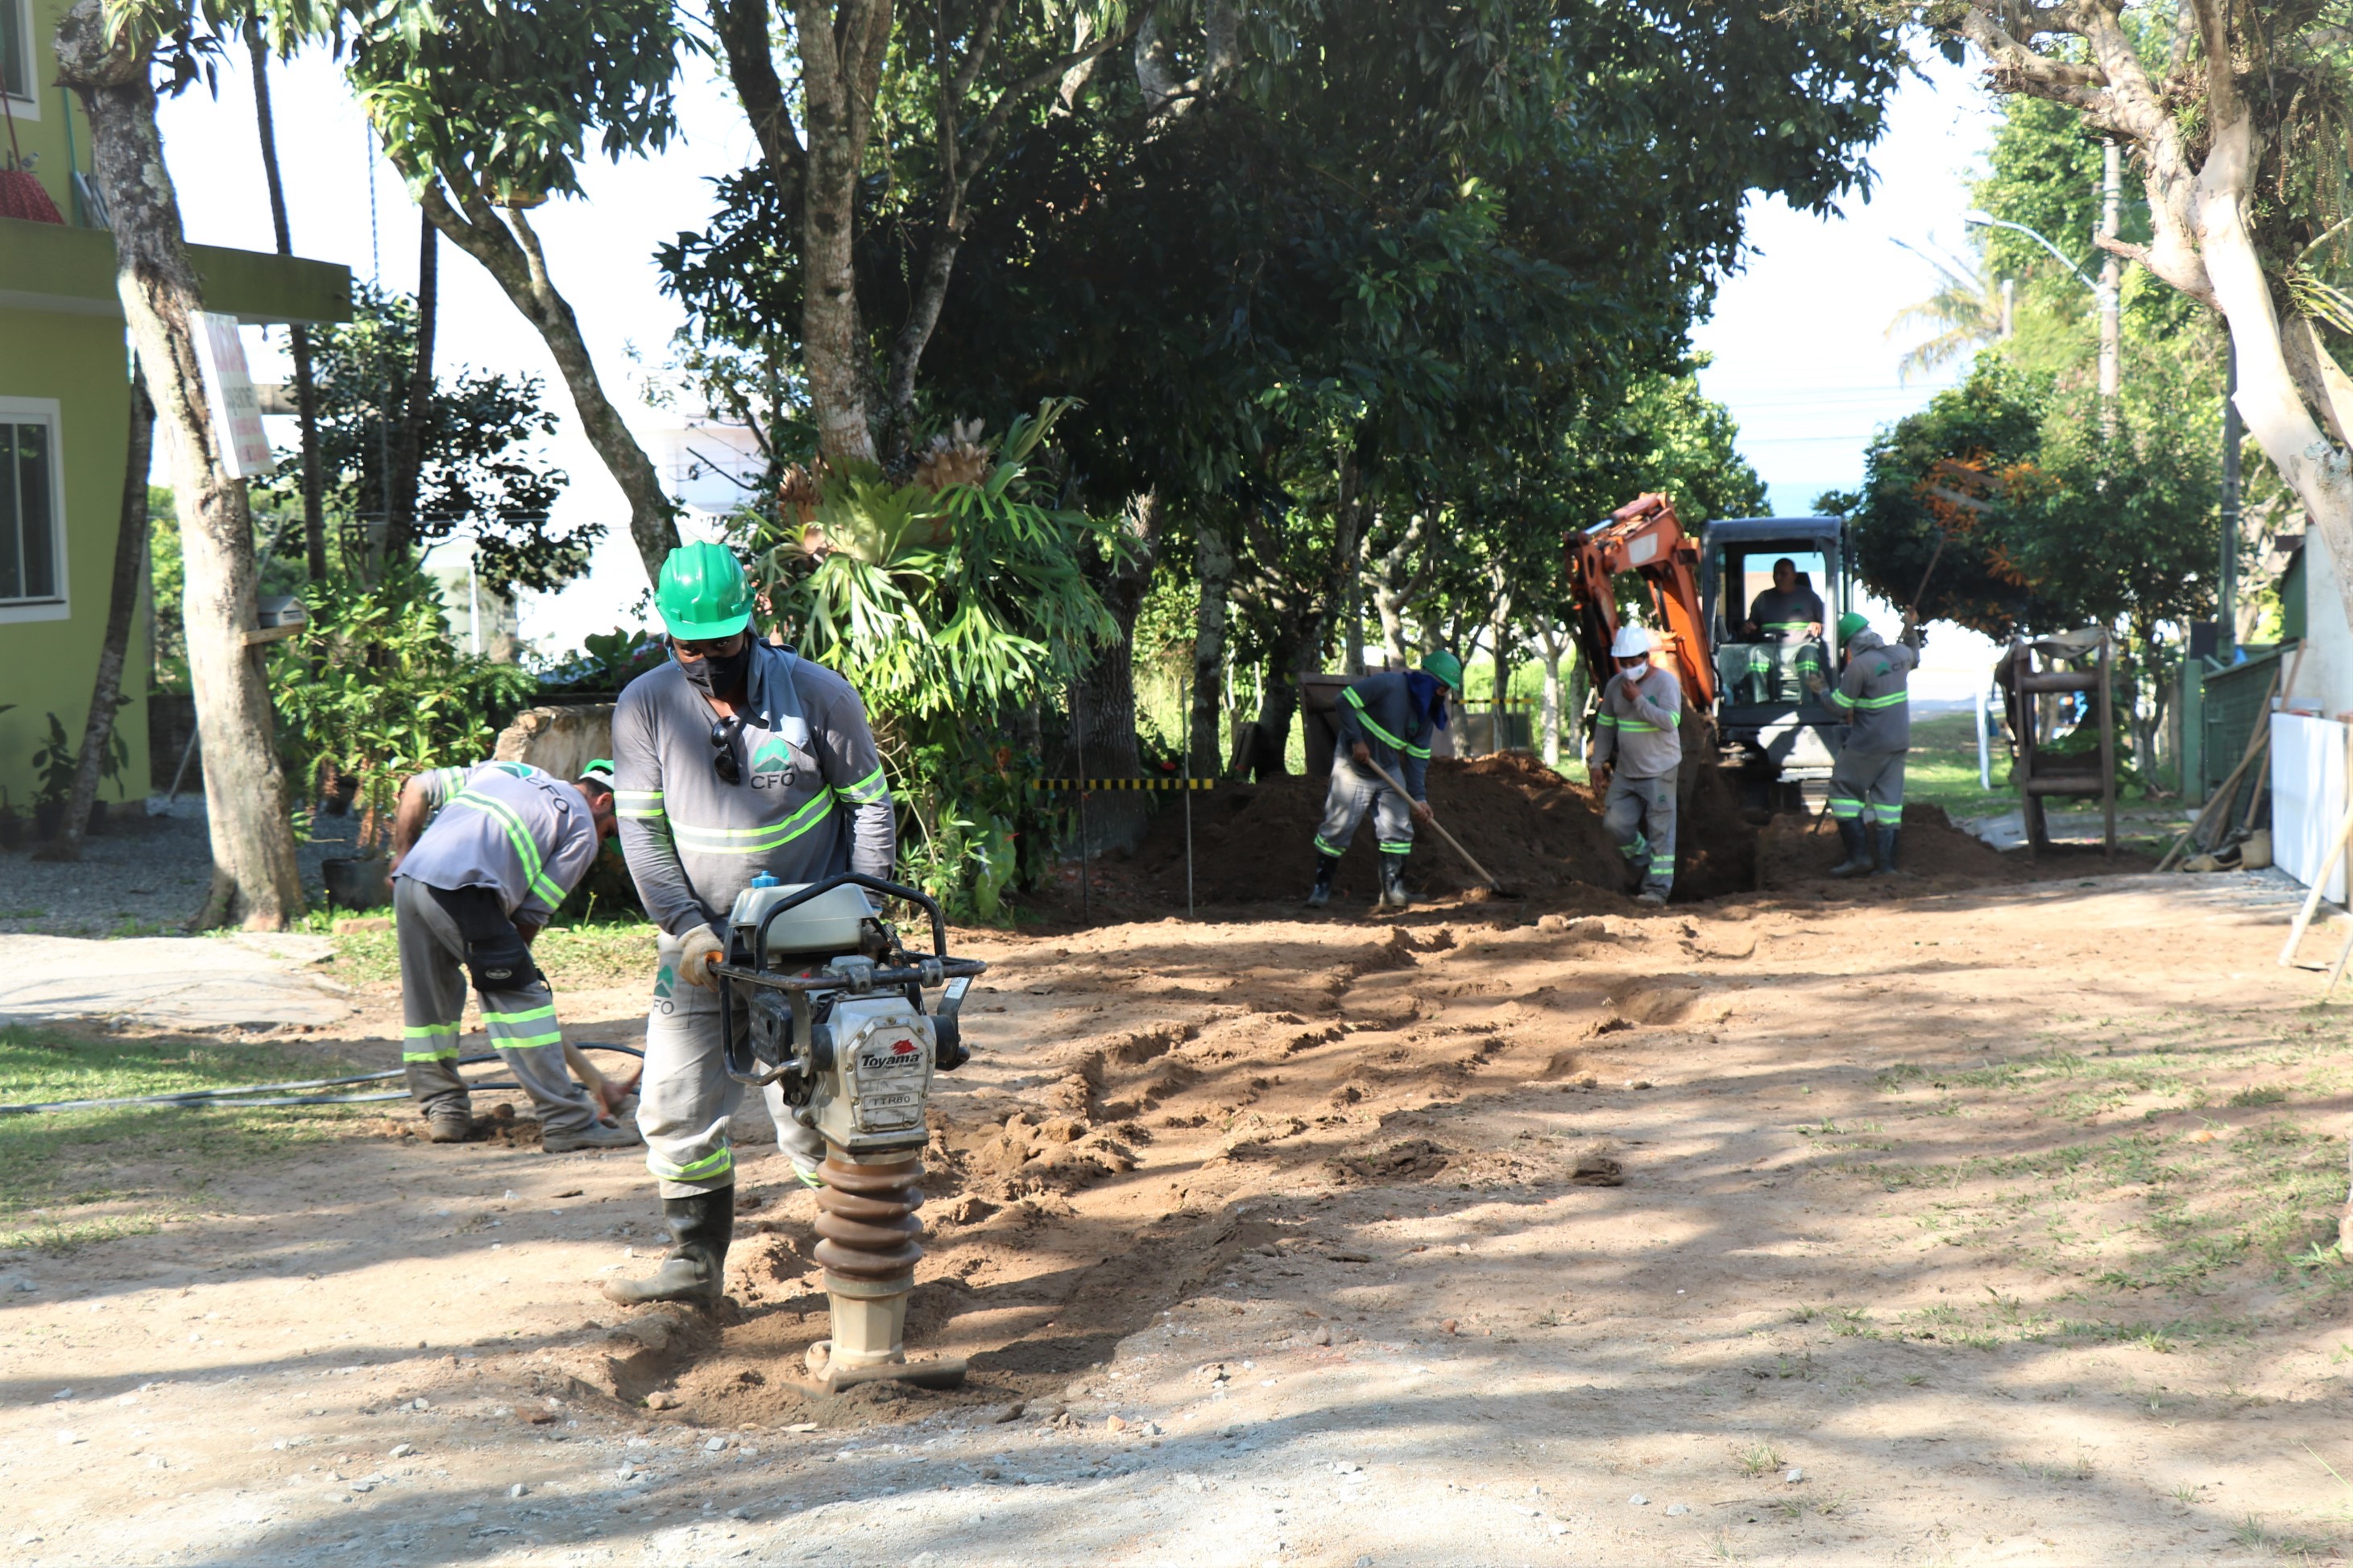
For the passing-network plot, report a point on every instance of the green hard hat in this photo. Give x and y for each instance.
(1444, 666)
(703, 592)
(1850, 623)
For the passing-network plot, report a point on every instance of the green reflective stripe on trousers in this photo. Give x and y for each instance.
(1843, 808)
(446, 1053)
(870, 788)
(1326, 845)
(501, 1041)
(1366, 719)
(702, 1170)
(1639, 849)
(530, 1014)
(1392, 847)
(428, 1031)
(535, 873)
(754, 840)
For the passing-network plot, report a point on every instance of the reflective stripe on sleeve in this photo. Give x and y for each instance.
(637, 803)
(867, 790)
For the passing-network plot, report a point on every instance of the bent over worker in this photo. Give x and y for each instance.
(482, 856)
(1638, 748)
(733, 759)
(1384, 720)
(1873, 700)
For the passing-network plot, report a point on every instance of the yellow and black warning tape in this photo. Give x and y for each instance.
(1123, 783)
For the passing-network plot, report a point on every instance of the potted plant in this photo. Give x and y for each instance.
(55, 764)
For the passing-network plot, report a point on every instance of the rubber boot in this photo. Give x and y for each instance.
(1886, 851)
(1327, 867)
(695, 1267)
(1393, 891)
(1858, 849)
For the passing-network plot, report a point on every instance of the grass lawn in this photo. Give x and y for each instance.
(600, 953)
(124, 1169)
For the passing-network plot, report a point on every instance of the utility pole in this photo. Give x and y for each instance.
(2226, 597)
(2112, 276)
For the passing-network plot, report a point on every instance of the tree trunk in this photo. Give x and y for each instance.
(121, 609)
(408, 449)
(841, 45)
(1550, 646)
(1213, 567)
(306, 387)
(508, 247)
(1397, 581)
(1499, 628)
(255, 882)
(1104, 722)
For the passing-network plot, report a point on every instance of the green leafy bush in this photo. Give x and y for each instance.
(374, 690)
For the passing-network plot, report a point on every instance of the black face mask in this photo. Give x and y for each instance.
(718, 674)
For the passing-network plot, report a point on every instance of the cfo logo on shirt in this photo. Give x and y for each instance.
(773, 753)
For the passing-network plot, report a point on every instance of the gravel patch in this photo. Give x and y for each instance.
(145, 876)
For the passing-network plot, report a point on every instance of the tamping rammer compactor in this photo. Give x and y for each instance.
(835, 1016)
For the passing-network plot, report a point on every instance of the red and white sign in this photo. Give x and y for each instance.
(235, 407)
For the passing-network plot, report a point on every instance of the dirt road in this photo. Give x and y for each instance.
(1940, 1223)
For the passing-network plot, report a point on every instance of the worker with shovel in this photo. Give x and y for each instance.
(482, 856)
(1385, 724)
(1637, 749)
(1873, 700)
(735, 758)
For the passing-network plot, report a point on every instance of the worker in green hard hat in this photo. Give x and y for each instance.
(735, 758)
(1385, 724)
(1874, 701)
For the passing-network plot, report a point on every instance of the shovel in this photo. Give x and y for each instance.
(1452, 842)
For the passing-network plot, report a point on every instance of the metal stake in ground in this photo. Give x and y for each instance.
(1185, 721)
(1078, 741)
(1485, 875)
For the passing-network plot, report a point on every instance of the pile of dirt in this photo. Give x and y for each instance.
(1538, 833)
(1795, 849)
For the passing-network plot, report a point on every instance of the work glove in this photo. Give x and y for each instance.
(698, 950)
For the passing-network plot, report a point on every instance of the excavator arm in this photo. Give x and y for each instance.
(1646, 538)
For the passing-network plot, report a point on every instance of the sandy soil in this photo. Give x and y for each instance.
(1801, 1227)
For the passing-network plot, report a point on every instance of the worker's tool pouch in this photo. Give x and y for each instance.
(497, 958)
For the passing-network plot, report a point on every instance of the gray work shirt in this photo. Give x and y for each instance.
(1873, 694)
(1784, 616)
(508, 827)
(812, 802)
(1639, 730)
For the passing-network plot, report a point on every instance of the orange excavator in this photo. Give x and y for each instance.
(1747, 705)
(1644, 537)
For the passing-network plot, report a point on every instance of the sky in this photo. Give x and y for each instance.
(1798, 335)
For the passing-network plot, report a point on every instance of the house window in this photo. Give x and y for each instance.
(32, 569)
(17, 50)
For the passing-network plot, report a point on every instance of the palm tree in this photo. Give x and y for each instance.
(1968, 308)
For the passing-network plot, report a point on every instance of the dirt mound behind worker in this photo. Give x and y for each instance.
(1537, 831)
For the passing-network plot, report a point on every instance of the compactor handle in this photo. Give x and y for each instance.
(851, 879)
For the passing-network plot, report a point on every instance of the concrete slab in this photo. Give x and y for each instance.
(246, 981)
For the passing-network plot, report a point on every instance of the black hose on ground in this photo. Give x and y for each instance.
(194, 1099)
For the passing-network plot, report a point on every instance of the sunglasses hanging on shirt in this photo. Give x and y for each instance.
(722, 750)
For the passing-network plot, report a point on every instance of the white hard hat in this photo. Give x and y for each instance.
(1632, 642)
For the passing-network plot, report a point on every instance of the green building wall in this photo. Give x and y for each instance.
(48, 664)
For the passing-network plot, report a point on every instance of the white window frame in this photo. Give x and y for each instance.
(25, 105)
(44, 410)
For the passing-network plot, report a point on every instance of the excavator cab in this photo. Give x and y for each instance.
(1772, 589)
